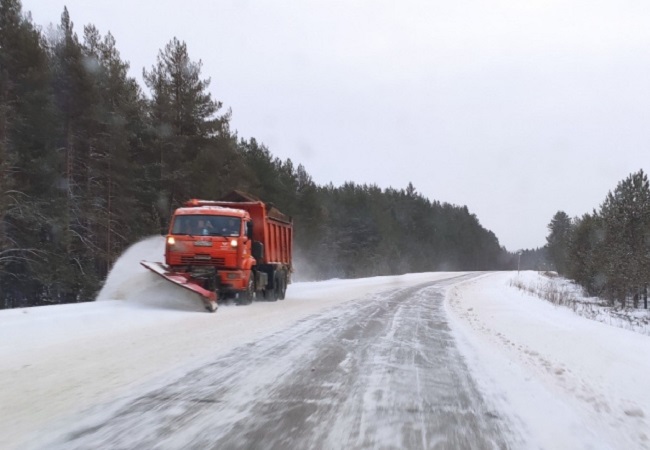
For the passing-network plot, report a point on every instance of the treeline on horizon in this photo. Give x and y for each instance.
(607, 251)
(89, 165)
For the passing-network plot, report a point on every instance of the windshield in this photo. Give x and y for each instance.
(206, 225)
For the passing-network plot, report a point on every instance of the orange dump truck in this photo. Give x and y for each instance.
(238, 248)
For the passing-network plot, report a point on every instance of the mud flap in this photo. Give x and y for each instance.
(185, 281)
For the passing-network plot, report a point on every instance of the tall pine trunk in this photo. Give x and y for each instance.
(69, 169)
(109, 255)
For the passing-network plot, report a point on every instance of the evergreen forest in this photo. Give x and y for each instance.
(91, 162)
(607, 251)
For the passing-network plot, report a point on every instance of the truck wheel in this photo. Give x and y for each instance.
(274, 294)
(246, 297)
(283, 286)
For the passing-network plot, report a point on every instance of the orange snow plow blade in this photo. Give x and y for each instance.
(184, 281)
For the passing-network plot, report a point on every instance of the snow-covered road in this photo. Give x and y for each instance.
(379, 372)
(437, 360)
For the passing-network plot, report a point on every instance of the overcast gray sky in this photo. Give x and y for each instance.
(514, 108)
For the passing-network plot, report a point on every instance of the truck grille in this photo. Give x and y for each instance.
(202, 260)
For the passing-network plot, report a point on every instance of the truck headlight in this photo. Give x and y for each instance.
(171, 240)
(233, 243)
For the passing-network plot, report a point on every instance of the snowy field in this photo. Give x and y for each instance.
(529, 374)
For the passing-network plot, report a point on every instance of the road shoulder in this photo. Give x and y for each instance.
(570, 382)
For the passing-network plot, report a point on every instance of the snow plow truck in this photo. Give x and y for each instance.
(236, 248)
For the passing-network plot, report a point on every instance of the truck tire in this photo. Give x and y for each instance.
(282, 286)
(274, 294)
(246, 297)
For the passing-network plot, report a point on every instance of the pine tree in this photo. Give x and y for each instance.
(558, 241)
(585, 258)
(626, 221)
(75, 274)
(309, 217)
(27, 162)
(185, 118)
(117, 112)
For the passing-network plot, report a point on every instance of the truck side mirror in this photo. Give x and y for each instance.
(249, 229)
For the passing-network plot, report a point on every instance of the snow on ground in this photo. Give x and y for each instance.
(58, 360)
(570, 382)
(563, 381)
(565, 293)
